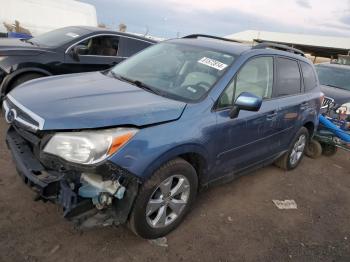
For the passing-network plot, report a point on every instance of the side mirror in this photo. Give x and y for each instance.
(245, 101)
(79, 50)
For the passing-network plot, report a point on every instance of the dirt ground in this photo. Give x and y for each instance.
(233, 222)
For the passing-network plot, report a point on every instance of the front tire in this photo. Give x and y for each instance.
(294, 155)
(164, 200)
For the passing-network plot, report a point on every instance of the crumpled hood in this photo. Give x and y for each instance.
(93, 100)
(339, 95)
(16, 47)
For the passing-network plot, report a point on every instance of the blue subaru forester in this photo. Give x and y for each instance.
(135, 143)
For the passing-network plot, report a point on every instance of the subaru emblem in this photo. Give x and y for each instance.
(10, 116)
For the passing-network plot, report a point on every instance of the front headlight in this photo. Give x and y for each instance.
(88, 147)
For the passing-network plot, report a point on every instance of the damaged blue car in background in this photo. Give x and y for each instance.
(136, 142)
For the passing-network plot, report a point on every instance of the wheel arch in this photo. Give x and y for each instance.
(310, 126)
(196, 155)
(199, 163)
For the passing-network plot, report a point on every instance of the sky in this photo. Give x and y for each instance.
(171, 18)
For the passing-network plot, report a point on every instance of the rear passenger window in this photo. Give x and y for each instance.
(288, 77)
(310, 81)
(130, 46)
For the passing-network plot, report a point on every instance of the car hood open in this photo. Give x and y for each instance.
(92, 100)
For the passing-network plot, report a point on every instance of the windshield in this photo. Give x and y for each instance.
(334, 76)
(58, 37)
(176, 71)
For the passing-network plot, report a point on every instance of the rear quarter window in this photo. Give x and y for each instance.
(287, 77)
(310, 80)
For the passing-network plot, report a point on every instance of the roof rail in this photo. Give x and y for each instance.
(278, 47)
(211, 36)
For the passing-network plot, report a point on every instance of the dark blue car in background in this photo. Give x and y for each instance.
(335, 83)
(135, 143)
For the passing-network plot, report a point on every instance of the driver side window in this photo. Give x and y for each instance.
(101, 46)
(256, 77)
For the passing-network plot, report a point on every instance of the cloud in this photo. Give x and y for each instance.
(345, 19)
(341, 26)
(303, 3)
(167, 18)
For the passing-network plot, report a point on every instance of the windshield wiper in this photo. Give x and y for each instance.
(115, 75)
(146, 87)
(137, 83)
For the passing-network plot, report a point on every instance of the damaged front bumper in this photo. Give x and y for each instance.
(94, 196)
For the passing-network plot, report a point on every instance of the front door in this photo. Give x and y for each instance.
(101, 52)
(252, 136)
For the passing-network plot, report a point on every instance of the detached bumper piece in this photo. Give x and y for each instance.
(30, 169)
(86, 199)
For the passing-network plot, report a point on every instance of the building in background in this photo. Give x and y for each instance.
(39, 16)
(314, 45)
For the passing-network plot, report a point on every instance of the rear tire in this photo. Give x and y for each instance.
(23, 78)
(314, 149)
(295, 153)
(155, 212)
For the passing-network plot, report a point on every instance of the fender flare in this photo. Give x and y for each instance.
(10, 77)
(176, 152)
(314, 119)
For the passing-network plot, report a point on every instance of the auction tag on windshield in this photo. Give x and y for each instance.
(72, 35)
(212, 63)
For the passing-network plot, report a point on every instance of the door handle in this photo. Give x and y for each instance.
(271, 116)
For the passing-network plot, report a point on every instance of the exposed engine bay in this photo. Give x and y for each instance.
(95, 196)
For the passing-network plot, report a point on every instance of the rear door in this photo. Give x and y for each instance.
(129, 46)
(311, 88)
(291, 98)
(102, 52)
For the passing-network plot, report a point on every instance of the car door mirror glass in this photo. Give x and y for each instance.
(245, 101)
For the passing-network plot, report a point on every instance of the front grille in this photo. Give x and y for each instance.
(327, 102)
(21, 114)
(17, 114)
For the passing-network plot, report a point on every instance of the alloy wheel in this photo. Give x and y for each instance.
(298, 150)
(168, 201)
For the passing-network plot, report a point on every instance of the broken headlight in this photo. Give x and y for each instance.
(88, 147)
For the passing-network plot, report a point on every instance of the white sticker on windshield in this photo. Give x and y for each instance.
(212, 63)
(74, 35)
